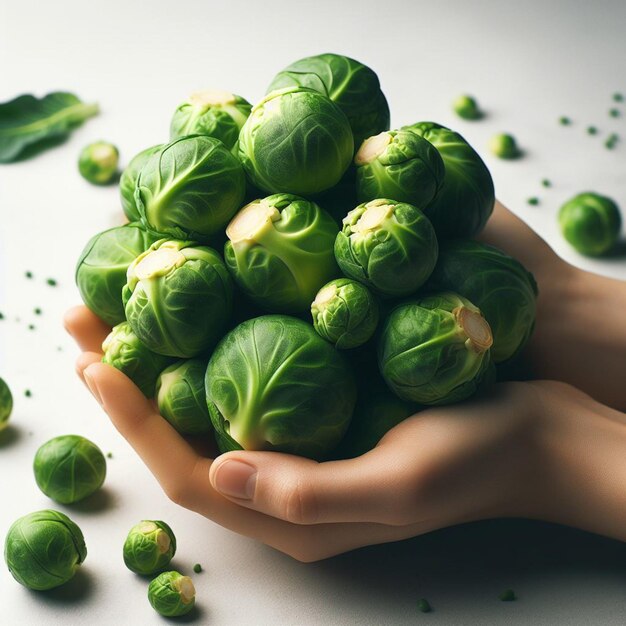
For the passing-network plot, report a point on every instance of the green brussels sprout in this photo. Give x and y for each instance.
(44, 549)
(466, 198)
(401, 165)
(214, 113)
(190, 188)
(6, 404)
(102, 265)
(149, 547)
(500, 286)
(389, 246)
(435, 350)
(466, 107)
(171, 594)
(181, 397)
(504, 146)
(280, 251)
(178, 298)
(354, 87)
(375, 414)
(128, 182)
(69, 468)
(345, 313)
(124, 351)
(98, 162)
(274, 384)
(295, 141)
(591, 223)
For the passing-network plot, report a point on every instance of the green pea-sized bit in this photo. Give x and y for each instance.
(508, 595)
(424, 606)
(615, 113)
(52, 282)
(1, 316)
(546, 182)
(109, 455)
(197, 568)
(592, 130)
(28, 393)
(618, 97)
(534, 201)
(28, 274)
(37, 311)
(564, 120)
(31, 327)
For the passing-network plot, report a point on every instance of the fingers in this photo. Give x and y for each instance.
(84, 360)
(87, 329)
(381, 486)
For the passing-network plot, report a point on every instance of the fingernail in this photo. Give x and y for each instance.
(93, 387)
(236, 479)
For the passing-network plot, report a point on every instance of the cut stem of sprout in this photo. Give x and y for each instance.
(375, 214)
(251, 220)
(159, 262)
(372, 148)
(211, 97)
(476, 327)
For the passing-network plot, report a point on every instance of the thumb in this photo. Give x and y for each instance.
(374, 487)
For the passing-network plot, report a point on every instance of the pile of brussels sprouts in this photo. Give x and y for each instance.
(297, 277)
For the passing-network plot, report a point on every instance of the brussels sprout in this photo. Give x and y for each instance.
(504, 146)
(102, 265)
(591, 223)
(178, 298)
(295, 141)
(181, 397)
(149, 547)
(44, 549)
(69, 468)
(124, 351)
(398, 164)
(503, 290)
(274, 384)
(375, 414)
(466, 107)
(392, 247)
(214, 113)
(171, 594)
(190, 188)
(280, 251)
(128, 182)
(354, 87)
(98, 162)
(466, 198)
(345, 313)
(435, 350)
(6, 404)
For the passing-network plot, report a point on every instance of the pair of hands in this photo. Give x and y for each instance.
(535, 449)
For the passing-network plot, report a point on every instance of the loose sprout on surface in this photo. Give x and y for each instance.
(98, 163)
(171, 594)
(149, 547)
(504, 146)
(6, 404)
(467, 108)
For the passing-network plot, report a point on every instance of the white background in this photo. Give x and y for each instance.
(528, 63)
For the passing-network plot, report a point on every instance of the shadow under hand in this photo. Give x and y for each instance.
(10, 435)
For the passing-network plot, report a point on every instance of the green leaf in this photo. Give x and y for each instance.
(27, 122)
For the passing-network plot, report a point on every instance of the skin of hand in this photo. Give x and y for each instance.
(536, 449)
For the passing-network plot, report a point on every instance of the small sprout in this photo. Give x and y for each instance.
(149, 547)
(467, 108)
(615, 113)
(69, 468)
(508, 595)
(564, 120)
(28, 274)
(592, 130)
(618, 97)
(6, 404)
(546, 182)
(504, 146)
(197, 568)
(28, 393)
(534, 201)
(52, 282)
(172, 594)
(98, 163)
(424, 606)
(37, 311)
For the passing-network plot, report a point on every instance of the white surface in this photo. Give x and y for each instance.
(527, 64)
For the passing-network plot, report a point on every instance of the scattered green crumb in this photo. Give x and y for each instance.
(546, 182)
(52, 282)
(197, 568)
(618, 97)
(534, 201)
(109, 455)
(31, 327)
(1, 316)
(424, 606)
(28, 393)
(615, 112)
(28, 274)
(592, 130)
(611, 140)
(564, 120)
(508, 595)
(37, 311)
